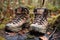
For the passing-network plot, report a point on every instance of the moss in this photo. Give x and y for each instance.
(1, 38)
(2, 26)
(54, 21)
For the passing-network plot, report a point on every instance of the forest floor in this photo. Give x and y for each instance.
(56, 35)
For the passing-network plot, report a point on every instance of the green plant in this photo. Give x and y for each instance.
(30, 6)
(2, 26)
(52, 7)
(54, 21)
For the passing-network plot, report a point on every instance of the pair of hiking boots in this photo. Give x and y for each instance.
(22, 18)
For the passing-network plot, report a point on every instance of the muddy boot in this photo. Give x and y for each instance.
(22, 15)
(15, 25)
(40, 22)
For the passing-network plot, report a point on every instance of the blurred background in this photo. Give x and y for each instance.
(7, 11)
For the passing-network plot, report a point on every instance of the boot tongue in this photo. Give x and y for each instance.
(38, 19)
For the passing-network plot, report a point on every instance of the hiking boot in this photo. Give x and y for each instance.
(40, 21)
(21, 18)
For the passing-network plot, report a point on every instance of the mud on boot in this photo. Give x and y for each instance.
(40, 21)
(22, 15)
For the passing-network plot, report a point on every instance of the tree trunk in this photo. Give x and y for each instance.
(29, 2)
(44, 3)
